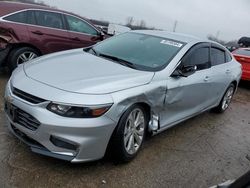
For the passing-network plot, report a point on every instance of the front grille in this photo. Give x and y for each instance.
(25, 119)
(27, 97)
(21, 117)
(28, 140)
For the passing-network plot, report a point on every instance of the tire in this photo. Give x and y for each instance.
(21, 55)
(226, 100)
(119, 146)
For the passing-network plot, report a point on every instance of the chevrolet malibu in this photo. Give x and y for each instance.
(75, 104)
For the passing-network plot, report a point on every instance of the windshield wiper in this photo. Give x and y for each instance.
(90, 50)
(119, 60)
(95, 52)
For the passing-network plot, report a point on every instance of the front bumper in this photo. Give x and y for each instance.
(89, 137)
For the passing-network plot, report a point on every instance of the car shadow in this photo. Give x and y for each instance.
(4, 73)
(244, 84)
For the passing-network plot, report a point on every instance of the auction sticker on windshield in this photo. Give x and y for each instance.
(172, 43)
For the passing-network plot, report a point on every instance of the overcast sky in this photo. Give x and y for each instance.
(230, 19)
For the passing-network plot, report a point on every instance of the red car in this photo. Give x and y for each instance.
(242, 55)
(28, 31)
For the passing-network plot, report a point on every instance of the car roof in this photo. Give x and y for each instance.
(174, 36)
(243, 49)
(8, 7)
(235, 52)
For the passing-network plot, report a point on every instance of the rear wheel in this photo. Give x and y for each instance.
(129, 134)
(226, 100)
(21, 55)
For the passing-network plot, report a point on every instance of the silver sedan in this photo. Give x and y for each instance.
(73, 105)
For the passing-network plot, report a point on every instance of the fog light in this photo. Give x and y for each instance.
(62, 143)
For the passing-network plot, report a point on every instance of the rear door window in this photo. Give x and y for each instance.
(49, 19)
(78, 25)
(218, 56)
(198, 57)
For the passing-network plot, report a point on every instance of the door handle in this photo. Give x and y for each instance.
(228, 71)
(207, 78)
(37, 32)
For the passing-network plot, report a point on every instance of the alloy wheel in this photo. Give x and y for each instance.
(227, 98)
(26, 56)
(134, 131)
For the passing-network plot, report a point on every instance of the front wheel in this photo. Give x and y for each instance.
(226, 100)
(21, 55)
(129, 134)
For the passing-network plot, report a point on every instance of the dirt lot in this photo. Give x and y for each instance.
(201, 152)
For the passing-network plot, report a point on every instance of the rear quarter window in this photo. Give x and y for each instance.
(20, 17)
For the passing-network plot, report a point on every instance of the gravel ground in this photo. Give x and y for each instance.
(200, 152)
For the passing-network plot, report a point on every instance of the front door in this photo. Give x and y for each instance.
(187, 96)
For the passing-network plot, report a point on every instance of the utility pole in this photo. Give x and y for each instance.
(175, 25)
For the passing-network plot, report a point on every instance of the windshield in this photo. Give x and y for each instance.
(144, 52)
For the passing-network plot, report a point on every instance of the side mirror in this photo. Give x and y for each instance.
(185, 71)
(101, 35)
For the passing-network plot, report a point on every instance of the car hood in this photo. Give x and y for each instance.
(80, 72)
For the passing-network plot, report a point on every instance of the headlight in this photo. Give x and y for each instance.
(77, 111)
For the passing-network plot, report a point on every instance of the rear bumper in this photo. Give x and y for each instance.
(246, 75)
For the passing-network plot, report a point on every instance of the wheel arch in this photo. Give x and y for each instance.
(235, 83)
(112, 140)
(20, 45)
(145, 106)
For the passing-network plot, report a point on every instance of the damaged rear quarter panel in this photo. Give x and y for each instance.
(13, 33)
(5, 34)
(5, 38)
(3, 43)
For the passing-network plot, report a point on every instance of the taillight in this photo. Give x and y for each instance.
(3, 43)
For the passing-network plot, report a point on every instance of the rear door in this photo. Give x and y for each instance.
(82, 34)
(187, 96)
(48, 32)
(222, 68)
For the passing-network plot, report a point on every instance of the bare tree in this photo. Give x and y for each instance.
(223, 42)
(142, 24)
(130, 21)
